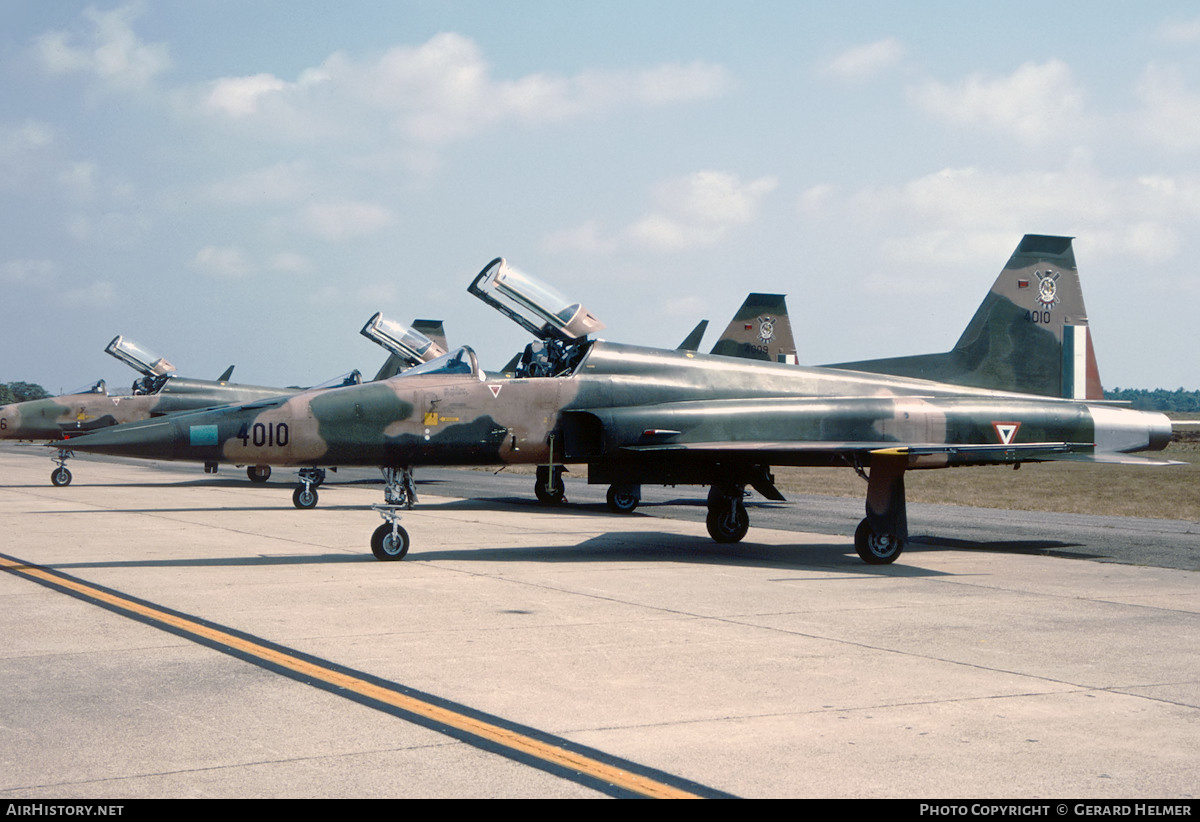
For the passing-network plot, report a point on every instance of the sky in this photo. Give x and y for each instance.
(232, 182)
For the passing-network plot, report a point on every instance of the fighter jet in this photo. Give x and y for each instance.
(157, 392)
(636, 415)
(160, 391)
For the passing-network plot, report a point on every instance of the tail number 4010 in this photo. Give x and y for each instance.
(264, 434)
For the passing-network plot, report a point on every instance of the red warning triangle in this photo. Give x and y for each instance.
(495, 389)
(1006, 431)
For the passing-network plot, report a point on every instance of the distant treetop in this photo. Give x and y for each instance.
(1158, 399)
(21, 391)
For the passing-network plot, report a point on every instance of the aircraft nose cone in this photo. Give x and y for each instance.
(153, 439)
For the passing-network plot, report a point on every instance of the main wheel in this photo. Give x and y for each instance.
(874, 548)
(623, 499)
(555, 494)
(60, 476)
(725, 525)
(258, 473)
(388, 546)
(304, 497)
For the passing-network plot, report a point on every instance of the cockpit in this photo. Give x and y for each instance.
(98, 387)
(155, 368)
(560, 326)
(407, 343)
(461, 360)
(350, 378)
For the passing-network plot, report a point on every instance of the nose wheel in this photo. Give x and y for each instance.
(61, 475)
(305, 495)
(389, 543)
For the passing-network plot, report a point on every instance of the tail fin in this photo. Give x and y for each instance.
(434, 330)
(760, 330)
(1030, 334)
(692, 341)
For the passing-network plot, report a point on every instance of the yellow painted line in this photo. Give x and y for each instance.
(504, 737)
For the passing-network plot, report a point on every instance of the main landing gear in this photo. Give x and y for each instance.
(390, 541)
(727, 519)
(305, 495)
(548, 487)
(61, 476)
(881, 536)
(258, 473)
(624, 498)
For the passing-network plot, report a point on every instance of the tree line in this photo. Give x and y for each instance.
(21, 391)
(1158, 399)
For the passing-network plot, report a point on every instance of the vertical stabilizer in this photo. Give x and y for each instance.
(692, 341)
(760, 330)
(434, 330)
(1030, 334)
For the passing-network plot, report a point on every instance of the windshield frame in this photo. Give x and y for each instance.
(138, 357)
(458, 362)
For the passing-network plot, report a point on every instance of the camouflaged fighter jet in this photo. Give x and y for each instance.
(638, 415)
(157, 392)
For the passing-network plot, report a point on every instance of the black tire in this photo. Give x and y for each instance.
(876, 549)
(622, 499)
(728, 526)
(258, 473)
(304, 497)
(385, 545)
(60, 476)
(556, 494)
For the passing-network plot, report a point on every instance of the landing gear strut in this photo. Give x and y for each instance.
(881, 536)
(727, 519)
(305, 495)
(390, 541)
(60, 476)
(548, 487)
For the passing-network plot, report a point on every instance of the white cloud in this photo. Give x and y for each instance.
(21, 144)
(442, 90)
(100, 293)
(958, 214)
(290, 262)
(224, 262)
(241, 96)
(1037, 104)
(865, 61)
(698, 209)
(1170, 114)
(115, 229)
(20, 139)
(27, 272)
(108, 50)
(1180, 32)
(278, 183)
(80, 180)
(345, 220)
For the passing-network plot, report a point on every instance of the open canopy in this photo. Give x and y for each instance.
(140, 359)
(406, 343)
(532, 304)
